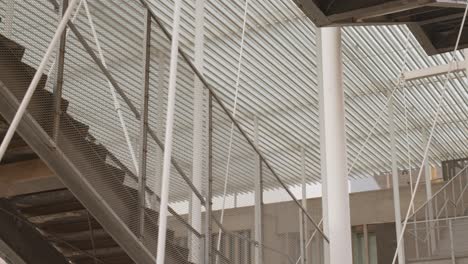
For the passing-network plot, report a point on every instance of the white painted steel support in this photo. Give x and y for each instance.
(453, 67)
(335, 192)
(37, 76)
(302, 220)
(162, 230)
(395, 178)
(196, 252)
(116, 102)
(258, 210)
(366, 244)
(144, 123)
(428, 185)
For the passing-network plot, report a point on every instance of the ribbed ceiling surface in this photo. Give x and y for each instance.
(278, 85)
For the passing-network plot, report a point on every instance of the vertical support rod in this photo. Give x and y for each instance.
(428, 184)
(197, 136)
(366, 244)
(335, 198)
(162, 230)
(461, 186)
(258, 200)
(37, 77)
(144, 122)
(59, 84)
(303, 222)
(395, 178)
(208, 200)
(111, 86)
(452, 246)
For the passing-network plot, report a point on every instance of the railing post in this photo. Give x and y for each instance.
(428, 185)
(452, 249)
(208, 201)
(461, 195)
(59, 84)
(258, 200)
(416, 242)
(446, 203)
(428, 232)
(144, 123)
(436, 207)
(302, 220)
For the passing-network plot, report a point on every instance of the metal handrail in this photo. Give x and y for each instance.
(231, 117)
(438, 192)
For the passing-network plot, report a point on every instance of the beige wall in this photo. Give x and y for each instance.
(369, 207)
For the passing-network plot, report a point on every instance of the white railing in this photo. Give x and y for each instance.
(433, 237)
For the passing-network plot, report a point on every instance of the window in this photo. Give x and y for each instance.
(359, 247)
(234, 248)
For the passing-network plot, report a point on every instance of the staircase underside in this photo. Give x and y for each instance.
(434, 23)
(40, 142)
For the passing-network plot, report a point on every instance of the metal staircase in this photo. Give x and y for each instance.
(97, 214)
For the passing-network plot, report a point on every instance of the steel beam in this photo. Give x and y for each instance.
(455, 66)
(23, 240)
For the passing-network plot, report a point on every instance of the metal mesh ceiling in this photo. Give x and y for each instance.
(278, 85)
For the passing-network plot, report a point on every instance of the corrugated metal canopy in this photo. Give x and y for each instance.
(278, 85)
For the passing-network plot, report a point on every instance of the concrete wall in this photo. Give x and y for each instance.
(280, 219)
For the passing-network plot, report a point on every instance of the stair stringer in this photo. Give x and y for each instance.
(73, 179)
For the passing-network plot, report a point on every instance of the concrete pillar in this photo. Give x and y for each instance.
(335, 192)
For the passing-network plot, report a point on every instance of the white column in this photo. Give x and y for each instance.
(335, 196)
(302, 220)
(395, 181)
(196, 251)
(162, 229)
(258, 200)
